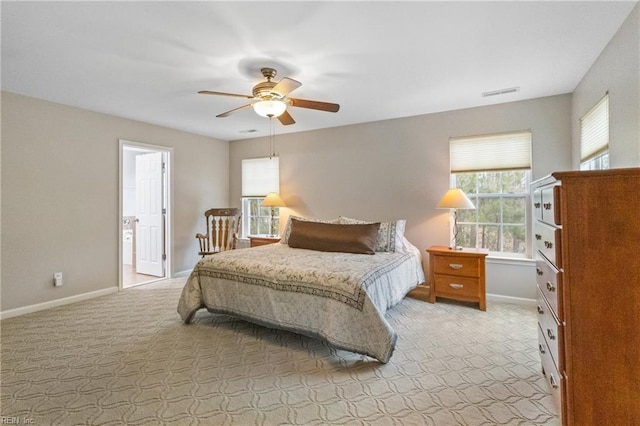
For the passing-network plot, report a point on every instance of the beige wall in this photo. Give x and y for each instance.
(616, 70)
(60, 196)
(400, 168)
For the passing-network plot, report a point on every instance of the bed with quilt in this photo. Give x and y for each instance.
(332, 280)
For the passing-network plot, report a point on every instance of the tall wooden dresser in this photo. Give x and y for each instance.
(587, 238)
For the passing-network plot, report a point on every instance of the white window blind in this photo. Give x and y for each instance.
(594, 130)
(260, 176)
(502, 151)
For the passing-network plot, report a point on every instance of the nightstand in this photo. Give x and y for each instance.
(261, 240)
(458, 274)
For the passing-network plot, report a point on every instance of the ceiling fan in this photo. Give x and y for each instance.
(271, 100)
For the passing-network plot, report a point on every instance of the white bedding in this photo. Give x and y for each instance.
(338, 297)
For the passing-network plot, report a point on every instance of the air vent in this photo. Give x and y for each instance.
(500, 92)
(248, 131)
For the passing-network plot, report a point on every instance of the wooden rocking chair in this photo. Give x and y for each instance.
(223, 227)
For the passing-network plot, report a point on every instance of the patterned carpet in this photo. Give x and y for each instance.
(126, 359)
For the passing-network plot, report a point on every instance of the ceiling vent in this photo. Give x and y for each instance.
(501, 92)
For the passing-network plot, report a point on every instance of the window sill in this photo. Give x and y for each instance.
(505, 260)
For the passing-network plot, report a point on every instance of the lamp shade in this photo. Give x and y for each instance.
(270, 108)
(273, 200)
(455, 199)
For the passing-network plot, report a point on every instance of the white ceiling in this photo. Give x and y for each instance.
(378, 60)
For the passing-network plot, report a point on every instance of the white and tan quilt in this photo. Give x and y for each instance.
(339, 297)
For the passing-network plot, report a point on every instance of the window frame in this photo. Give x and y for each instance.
(247, 217)
(476, 196)
(594, 136)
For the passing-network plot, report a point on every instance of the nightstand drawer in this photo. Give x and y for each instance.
(455, 287)
(457, 265)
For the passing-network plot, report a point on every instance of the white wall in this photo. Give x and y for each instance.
(400, 168)
(616, 70)
(60, 196)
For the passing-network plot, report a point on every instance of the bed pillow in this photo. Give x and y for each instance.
(390, 234)
(287, 228)
(333, 237)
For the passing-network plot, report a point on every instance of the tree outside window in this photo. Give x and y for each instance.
(499, 221)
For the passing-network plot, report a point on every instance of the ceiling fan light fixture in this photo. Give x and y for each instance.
(270, 108)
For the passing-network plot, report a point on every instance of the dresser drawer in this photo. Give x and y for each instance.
(461, 288)
(551, 371)
(457, 265)
(550, 281)
(550, 327)
(550, 209)
(537, 204)
(547, 240)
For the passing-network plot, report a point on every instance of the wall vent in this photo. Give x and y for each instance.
(248, 131)
(500, 92)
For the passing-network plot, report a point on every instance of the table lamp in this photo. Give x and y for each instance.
(455, 199)
(272, 200)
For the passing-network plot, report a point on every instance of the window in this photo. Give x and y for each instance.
(259, 177)
(256, 219)
(499, 221)
(594, 137)
(495, 172)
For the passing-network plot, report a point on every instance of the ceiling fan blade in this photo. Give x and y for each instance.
(322, 106)
(286, 86)
(286, 119)
(226, 114)
(208, 92)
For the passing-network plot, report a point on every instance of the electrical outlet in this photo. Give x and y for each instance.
(57, 279)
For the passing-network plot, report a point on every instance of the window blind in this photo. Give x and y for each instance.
(594, 130)
(260, 176)
(502, 151)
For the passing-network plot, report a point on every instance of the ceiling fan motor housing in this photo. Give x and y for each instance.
(263, 91)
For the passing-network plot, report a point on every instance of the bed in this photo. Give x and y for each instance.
(318, 291)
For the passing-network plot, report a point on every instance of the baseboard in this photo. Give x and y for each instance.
(182, 274)
(55, 303)
(511, 299)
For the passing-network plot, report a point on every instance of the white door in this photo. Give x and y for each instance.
(149, 215)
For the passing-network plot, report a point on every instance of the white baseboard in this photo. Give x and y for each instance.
(182, 274)
(511, 299)
(55, 303)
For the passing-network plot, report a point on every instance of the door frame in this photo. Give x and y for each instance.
(168, 193)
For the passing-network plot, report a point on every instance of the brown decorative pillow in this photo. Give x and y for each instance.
(353, 238)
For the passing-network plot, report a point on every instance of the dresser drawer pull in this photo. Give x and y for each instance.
(455, 265)
(550, 287)
(550, 334)
(538, 237)
(540, 310)
(456, 286)
(552, 380)
(547, 206)
(548, 244)
(536, 205)
(541, 347)
(539, 272)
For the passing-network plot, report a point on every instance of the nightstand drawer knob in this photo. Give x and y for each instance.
(456, 286)
(541, 347)
(455, 265)
(550, 287)
(540, 310)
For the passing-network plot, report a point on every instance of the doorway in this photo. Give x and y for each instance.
(144, 223)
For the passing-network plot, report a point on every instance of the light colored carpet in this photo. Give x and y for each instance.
(128, 359)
